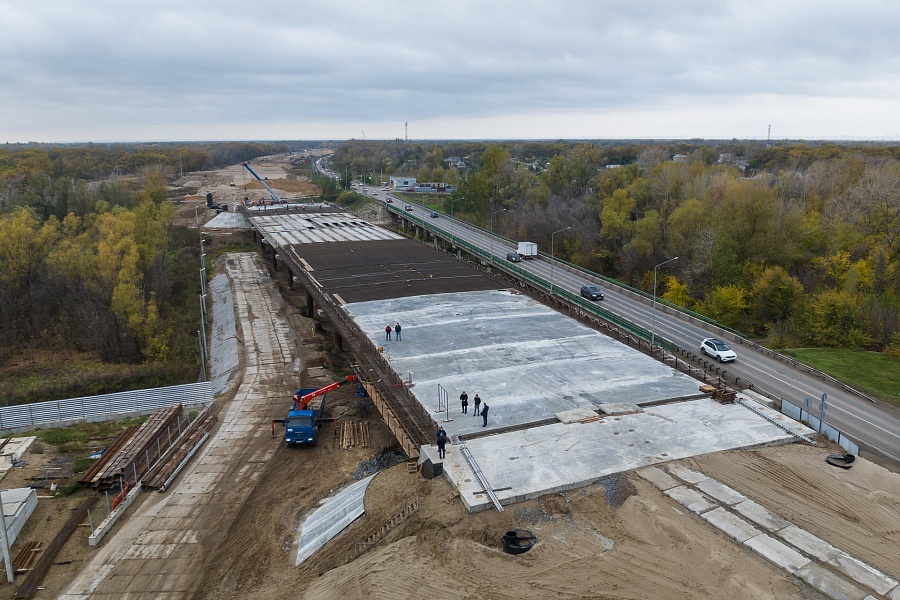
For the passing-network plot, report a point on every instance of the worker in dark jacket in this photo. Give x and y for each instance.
(484, 412)
(464, 400)
(397, 331)
(441, 441)
(477, 405)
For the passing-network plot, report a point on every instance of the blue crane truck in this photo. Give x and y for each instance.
(302, 423)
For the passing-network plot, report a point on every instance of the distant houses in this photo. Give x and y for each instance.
(409, 184)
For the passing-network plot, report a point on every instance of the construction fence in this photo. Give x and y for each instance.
(804, 416)
(106, 407)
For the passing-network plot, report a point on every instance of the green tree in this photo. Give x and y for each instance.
(675, 291)
(836, 321)
(727, 304)
(776, 295)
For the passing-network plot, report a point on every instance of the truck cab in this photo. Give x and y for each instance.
(300, 427)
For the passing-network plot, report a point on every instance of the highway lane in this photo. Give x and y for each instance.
(859, 418)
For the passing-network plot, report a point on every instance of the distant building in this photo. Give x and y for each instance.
(680, 158)
(409, 184)
(455, 161)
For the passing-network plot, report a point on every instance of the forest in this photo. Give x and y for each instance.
(91, 266)
(796, 245)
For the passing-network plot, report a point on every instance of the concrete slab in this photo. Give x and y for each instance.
(730, 524)
(525, 360)
(771, 549)
(332, 517)
(894, 594)
(18, 505)
(720, 491)
(550, 458)
(619, 408)
(862, 573)
(658, 477)
(808, 543)
(576, 414)
(759, 515)
(690, 499)
(223, 348)
(833, 586)
(228, 220)
(685, 474)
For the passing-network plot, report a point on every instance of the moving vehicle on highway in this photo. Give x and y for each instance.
(527, 250)
(434, 215)
(591, 292)
(408, 207)
(513, 257)
(717, 349)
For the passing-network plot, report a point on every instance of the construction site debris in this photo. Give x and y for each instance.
(25, 556)
(384, 459)
(34, 578)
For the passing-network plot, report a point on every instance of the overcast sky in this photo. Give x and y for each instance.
(97, 70)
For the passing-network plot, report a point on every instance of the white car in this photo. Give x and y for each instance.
(717, 349)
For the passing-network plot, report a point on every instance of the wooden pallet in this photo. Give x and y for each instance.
(354, 434)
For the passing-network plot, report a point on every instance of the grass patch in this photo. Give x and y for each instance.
(870, 372)
(75, 438)
(82, 464)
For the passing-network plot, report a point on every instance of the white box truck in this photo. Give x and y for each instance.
(527, 250)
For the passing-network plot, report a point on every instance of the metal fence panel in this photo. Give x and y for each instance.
(105, 407)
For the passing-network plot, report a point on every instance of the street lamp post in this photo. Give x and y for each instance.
(551, 255)
(496, 212)
(653, 326)
(452, 224)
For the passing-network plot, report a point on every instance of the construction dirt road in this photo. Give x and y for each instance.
(621, 538)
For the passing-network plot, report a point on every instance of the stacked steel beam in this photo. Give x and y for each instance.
(89, 476)
(180, 450)
(138, 454)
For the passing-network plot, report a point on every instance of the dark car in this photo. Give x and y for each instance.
(407, 207)
(389, 201)
(591, 292)
(513, 257)
(434, 215)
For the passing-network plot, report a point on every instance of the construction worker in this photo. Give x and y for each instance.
(441, 441)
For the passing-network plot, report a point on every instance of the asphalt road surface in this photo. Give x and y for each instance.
(861, 419)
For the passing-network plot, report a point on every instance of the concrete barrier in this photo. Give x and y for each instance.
(103, 528)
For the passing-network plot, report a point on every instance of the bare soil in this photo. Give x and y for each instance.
(621, 538)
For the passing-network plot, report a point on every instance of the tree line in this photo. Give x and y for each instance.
(799, 244)
(95, 265)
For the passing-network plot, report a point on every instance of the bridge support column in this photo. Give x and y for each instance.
(290, 276)
(274, 259)
(338, 341)
(310, 306)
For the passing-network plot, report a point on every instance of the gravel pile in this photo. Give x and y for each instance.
(618, 489)
(384, 459)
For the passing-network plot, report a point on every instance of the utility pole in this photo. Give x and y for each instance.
(406, 131)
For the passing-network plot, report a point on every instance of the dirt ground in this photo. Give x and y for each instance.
(621, 538)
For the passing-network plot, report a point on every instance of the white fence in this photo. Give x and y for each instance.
(106, 407)
(804, 416)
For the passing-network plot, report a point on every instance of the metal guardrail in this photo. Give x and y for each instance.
(105, 407)
(738, 337)
(574, 299)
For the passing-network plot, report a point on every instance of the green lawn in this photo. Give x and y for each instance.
(869, 372)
